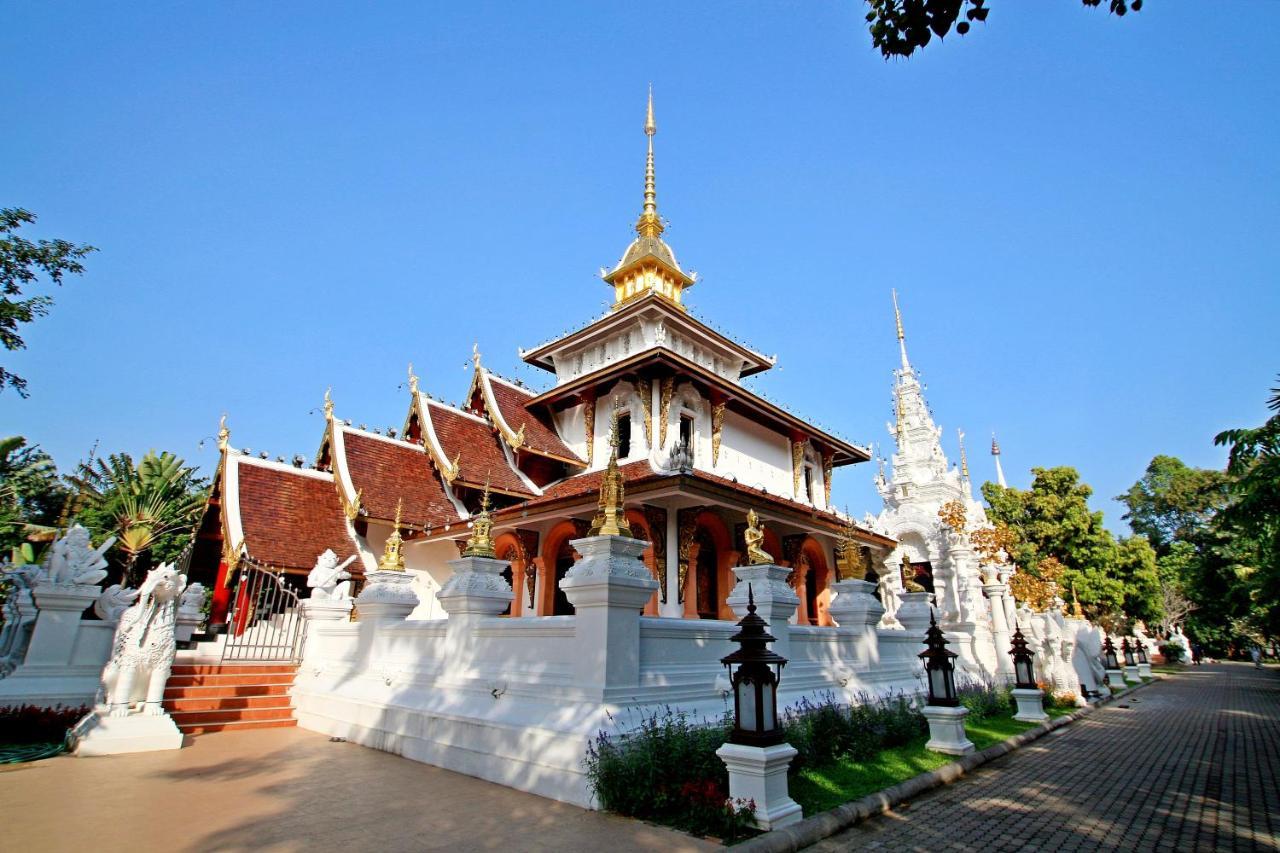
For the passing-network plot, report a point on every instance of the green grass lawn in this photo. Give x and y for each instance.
(818, 789)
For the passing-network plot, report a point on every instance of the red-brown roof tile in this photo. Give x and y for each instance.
(289, 518)
(538, 436)
(385, 470)
(474, 443)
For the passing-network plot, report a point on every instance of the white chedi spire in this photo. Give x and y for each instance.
(995, 451)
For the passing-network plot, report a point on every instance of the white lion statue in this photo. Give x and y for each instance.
(113, 602)
(329, 580)
(73, 561)
(144, 645)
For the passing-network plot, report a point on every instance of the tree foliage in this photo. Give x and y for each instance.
(22, 262)
(31, 497)
(1053, 526)
(901, 27)
(148, 506)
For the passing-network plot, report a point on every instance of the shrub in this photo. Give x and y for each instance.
(985, 699)
(1172, 652)
(827, 731)
(665, 769)
(33, 724)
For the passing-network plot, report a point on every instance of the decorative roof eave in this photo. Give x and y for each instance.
(448, 469)
(539, 356)
(233, 537)
(513, 438)
(348, 495)
(842, 452)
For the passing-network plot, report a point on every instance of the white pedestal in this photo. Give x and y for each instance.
(387, 597)
(1115, 680)
(1030, 705)
(99, 734)
(185, 625)
(913, 613)
(1131, 673)
(54, 636)
(946, 729)
(776, 602)
(1144, 670)
(855, 604)
(759, 773)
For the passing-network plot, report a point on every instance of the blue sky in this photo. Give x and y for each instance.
(1079, 213)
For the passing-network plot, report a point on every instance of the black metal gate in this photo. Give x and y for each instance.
(265, 623)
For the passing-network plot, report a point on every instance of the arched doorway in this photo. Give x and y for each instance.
(708, 569)
(564, 562)
(509, 554)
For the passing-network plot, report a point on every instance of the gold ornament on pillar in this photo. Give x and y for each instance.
(797, 465)
(666, 390)
(589, 425)
(392, 556)
(1076, 611)
(828, 461)
(717, 429)
(611, 520)
(480, 542)
(754, 536)
(644, 389)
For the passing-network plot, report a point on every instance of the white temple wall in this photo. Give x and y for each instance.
(429, 563)
(757, 456)
(69, 684)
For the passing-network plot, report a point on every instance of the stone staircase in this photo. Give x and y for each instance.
(212, 697)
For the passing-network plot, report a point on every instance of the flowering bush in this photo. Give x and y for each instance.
(985, 699)
(826, 731)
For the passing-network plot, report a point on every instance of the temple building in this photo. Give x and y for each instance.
(697, 450)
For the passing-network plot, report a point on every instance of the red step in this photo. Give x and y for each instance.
(225, 697)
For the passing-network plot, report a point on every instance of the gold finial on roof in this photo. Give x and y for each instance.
(392, 556)
(649, 225)
(480, 542)
(754, 537)
(224, 434)
(611, 518)
(413, 380)
(964, 460)
(475, 354)
(328, 403)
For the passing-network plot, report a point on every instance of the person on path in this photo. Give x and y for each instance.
(1197, 654)
(1256, 654)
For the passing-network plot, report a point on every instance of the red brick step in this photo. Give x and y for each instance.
(226, 697)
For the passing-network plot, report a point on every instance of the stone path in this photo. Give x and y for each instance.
(1190, 763)
(285, 790)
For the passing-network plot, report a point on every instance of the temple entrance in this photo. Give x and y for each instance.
(707, 567)
(811, 593)
(564, 562)
(509, 578)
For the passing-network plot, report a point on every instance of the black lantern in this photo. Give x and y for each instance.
(1109, 660)
(754, 671)
(1142, 652)
(1023, 674)
(1129, 659)
(939, 666)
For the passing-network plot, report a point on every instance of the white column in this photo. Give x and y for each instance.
(58, 622)
(322, 611)
(995, 593)
(475, 592)
(387, 597)
(776, 601)
(673, 607)
(759, 773)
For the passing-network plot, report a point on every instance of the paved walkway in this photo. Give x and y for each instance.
(1190, 763)
(289, 789)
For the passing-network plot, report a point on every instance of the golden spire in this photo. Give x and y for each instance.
(611, 519)
(392, 558)
(475, 354)
(480, 543)
(902, 338)
(328, 403)
(413, 380)
(224, 434)
(649, 225)
(964, 460)
(1076, 612)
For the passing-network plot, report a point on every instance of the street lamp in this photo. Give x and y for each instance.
(1128, 653)
(939, 667)
(1023, 671)
(754, 671)
(1142, 653)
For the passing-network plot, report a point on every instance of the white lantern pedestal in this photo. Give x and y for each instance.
(1132, 673)
(1030, 704)
(759, 773)
(946, 729)
(1115, 680)
(1144, 670)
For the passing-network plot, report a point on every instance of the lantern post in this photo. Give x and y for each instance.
(1144, 662)
(1130, 649)
(1115, 676)
(756, 756)
(1026, 693)
(943, 710)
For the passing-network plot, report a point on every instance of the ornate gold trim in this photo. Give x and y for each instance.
(666, 392)
(687, 525)
(828, 460)
(656, 518)
(644, 388)
(717, 429)
(797, 464)
(589, 425)
(611, 518)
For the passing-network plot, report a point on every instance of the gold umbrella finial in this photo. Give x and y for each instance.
(392, 552)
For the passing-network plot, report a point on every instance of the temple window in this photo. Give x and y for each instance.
(686, 434)
(808, 483)
(624, 436)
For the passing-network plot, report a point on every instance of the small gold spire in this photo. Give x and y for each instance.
(475, 354)
(392, 557)
(649, 225)
(850, 564)
(413, 380)
(224, 434)
(611, 518)
(1076, 611)
(328, 403)
(754, 537)
(480, 543)
(964, 460)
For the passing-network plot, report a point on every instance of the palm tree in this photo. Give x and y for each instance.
(142, 505)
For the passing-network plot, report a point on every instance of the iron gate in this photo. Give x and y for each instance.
(266, 621)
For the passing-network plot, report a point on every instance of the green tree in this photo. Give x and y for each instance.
(150, 506)
(1174, 502)
(31, 496)
(900, 27)
(1253, 516)
(1053, 519)
(21, 263)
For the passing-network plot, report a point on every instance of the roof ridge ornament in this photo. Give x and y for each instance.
(224, 434)
(902, 338)
(649, 224)
(328, 403)
(413, 380)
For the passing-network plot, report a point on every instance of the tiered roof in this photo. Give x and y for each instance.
(384, 471)
(467, 451)
(507, 407)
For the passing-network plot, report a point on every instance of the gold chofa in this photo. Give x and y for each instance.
(611, 519)
(754, 536)
(392, 556)
(480, 543)
(850, 563)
